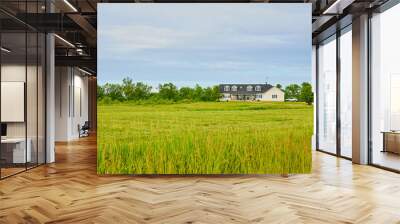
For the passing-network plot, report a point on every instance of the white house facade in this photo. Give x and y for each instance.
(273, 94)
(251, 92)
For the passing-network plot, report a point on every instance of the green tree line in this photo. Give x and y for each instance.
(130, 91)
(302, 93)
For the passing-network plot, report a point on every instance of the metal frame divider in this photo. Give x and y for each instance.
(26, 86)
(45, 89)
(369, 77)
(317, 97)
(0, 92)
(37, 91)
(338, 80)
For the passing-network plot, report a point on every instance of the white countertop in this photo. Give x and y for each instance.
(13, 140)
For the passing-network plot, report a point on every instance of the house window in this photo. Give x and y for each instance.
(226, 88)
(259, 96)
(249, 88)
(258, 88)
(234, 88)
(274, 96)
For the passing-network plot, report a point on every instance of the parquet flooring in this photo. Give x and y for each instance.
(69, 191)
(10, 171)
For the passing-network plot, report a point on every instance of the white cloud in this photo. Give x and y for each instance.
(125, 40)
(140, 37)
(260, 40)
(228, 65)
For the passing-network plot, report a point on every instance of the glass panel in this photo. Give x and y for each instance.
(31, 98)
(327, 96)
(313, 81)
(41, 99)
(32, 89)
(13, 86)
(385, 84)
(346, 93)
(23, 90)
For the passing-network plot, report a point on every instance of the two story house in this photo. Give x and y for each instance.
(251, 92)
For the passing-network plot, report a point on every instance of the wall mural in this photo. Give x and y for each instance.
(204, 89)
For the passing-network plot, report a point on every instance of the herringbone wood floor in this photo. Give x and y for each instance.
(69, 191)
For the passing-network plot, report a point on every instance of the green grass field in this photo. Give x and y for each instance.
(205, 138)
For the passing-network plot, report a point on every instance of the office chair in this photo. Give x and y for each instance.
(84, 130)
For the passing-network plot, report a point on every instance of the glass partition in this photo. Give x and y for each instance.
(31, 97)
(22, 78)
(327, 95)
(346, 93)
(14, 154)
(385, 89)
(41, 110)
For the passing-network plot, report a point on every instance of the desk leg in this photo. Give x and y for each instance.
(384, 142)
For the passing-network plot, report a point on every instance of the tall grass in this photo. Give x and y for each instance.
(204, 138)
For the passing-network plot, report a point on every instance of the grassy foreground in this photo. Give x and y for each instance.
(204, 138)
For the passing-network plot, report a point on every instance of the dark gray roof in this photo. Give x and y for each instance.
(242, 88)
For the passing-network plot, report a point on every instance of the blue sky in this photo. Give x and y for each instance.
(206, 44)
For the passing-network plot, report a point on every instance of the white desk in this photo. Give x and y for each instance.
(19, 155)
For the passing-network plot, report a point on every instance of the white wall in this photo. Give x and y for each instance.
(17, 73)
(62, 83)
(13, 72)
(80, 109)
(71, 102)
(82, 82)
(13, 101)
(33, 126)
